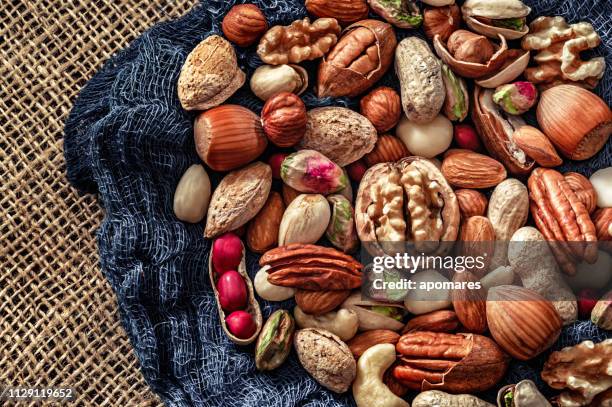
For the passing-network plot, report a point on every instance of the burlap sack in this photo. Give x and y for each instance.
(58, 316)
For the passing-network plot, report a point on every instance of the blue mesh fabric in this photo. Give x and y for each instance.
(128, 140)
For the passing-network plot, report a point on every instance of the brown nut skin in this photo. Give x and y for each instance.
(471, 203)
(578, 133)
(284, 119)
(345, 11)
(320, 302)
(437, 321)
(299, 41)
(537, 146)
(244, 24)
(602, 219)
(477, 239)
(383, 107)
(362, 56)
(469, 47)
(388, 148)
(470, 305)
(262, 232)
(561, 217)
(456, 363)
(442, 21)
(367, 339)
(467, 169)
(521, 321)
(583, 189)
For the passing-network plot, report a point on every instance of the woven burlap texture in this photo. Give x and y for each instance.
(58, 316)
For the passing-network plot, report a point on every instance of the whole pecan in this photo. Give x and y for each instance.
(437, 321)
(457, 363)
(361, 57)
(312, 267)
(562, 218)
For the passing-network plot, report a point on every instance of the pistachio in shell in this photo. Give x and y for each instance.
(341, 229)
(516, 98)
(456, 104)
(400, 13)
(311, 172)
(523, 394)
(274, 342)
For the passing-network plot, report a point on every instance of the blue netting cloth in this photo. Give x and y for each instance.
(128, 139)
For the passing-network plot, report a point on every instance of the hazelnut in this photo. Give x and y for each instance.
(382, 107)
(244, 24)
(284, 119)
(469, 47)
(442, 21)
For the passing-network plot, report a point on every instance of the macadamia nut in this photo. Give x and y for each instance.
(426, 139)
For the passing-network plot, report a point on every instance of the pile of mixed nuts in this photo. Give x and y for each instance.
(424, 160)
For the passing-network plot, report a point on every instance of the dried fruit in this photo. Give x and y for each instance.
(228, 137)
(437, 321)
(268, 80)
(516, 98)
(326, 358)
(284, 119)
(312, 172)
(312, 267)
(382, 107)
(365, 340)
(457, 101)
(466, 137)
(467, 169)
(420, 76)
(232, 291)
(227, 252)
(299, 41)
(341, 229)
(521, 321)
(241, 324)
(274, 342)
(442, 21)
(342, 135)
(362, 56)
(345, 11)
(601, 315)
(262, 232)
(244, 24)
(385, 217)
(461, 363)
(471, 203)
(497, 17)
(238, 198)
(537, 146)
(577, 133)
(210, 75)
(320, 302)
(192, 195)
(305, 220)
(426, 139)
(602, 183)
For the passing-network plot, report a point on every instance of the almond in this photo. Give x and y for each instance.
(388, 148)
(471, 203)
(537, 146)
(262, 232)
(366, 340)
(467, 169)
(320, 302)
(470, 304)
(477, 240)
(437, 321)
(345, 11)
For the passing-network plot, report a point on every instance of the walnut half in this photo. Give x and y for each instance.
(300, 41)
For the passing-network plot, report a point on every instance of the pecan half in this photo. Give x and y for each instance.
(407, 201)
(437, 321)
(361, 57)
(562, 217)
(461, 363)
(312, 267)
(300, 41)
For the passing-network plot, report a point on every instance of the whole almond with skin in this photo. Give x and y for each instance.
(366, 340)
(583, 189)
(470, 304)
(467, 169)
(388, 148)
(244, 24)
(320, 302)
(262, 232)
(382, 107)
(289, 194)
(437, 321)
(345, 11)
(477, 239)
(521, 321)
(537, 146)
(471, 203)
(284, 119)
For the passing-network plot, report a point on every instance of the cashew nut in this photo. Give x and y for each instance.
(270, 292)
(440, 399)
(343, 323)
(368, 387)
